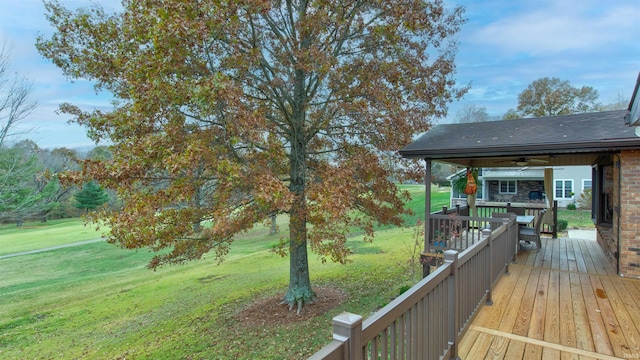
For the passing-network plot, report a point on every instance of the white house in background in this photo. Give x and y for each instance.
(526, 185)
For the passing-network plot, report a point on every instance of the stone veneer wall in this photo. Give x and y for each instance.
(523, 189)
(629, 213)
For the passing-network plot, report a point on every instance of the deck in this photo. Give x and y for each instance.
(563, 302)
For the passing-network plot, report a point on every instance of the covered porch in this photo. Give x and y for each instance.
(599, 140)
(564, 302)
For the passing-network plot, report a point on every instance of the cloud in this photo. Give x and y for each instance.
(554, 27)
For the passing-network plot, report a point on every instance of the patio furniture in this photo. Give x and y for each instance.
(532, 234)
(524, 220)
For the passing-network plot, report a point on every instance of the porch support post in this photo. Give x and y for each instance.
(427, 210)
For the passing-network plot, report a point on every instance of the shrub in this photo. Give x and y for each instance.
(562, 224)
(585, 200)
(571, 206)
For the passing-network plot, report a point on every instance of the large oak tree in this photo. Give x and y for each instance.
(227, 112)
(552, 96)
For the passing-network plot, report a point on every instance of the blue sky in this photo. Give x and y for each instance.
(504, 46)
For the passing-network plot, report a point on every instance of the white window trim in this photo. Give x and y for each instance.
(585, 180)
(555, 187)
(515, 187)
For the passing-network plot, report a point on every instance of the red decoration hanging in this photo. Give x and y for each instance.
(471, 187)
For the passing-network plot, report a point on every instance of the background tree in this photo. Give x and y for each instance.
(229, 112)
(14, 97)
(19, 169)
(552, 96)
(620, 102)
(53, 193)
(511, 114)
(470, 113)
(440, 172)
(90, 197)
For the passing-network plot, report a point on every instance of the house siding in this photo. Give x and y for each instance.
(629, 209)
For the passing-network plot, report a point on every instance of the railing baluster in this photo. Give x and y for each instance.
(426, 321)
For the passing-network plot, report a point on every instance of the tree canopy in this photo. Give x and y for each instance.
(229, 112)
(553, 96)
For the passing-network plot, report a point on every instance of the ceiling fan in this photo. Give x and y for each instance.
(524, 161)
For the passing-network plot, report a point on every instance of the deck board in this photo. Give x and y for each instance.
(564, 301)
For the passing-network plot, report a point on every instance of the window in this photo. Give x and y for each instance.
(586, 184)
(564, 189)
(507, 187)
(602, 208)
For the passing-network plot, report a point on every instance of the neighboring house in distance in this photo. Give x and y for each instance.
(526, 185)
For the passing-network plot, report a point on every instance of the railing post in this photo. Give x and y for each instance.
(507, 223)
(347, 328)
(490, 271)
(451, 258)
(427, 209)
(555, 219)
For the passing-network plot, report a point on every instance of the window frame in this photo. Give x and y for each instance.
(508, 185)
(564, 189)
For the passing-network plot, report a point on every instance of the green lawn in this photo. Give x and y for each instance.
(38, 235)
(577, 218)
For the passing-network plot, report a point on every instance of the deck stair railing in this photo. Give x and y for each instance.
(428, 320)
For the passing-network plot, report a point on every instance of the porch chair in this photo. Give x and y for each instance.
(530, 234)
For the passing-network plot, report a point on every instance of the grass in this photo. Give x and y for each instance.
(37, 235)
(577, 218)
(98, 301)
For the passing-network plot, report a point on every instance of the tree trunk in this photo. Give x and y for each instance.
(274, 224)
(299, 291)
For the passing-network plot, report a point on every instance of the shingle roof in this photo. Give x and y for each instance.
(600, 131)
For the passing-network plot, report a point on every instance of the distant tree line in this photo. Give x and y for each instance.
(30, 190)
(545, 97)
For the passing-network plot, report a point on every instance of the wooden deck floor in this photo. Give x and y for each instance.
(563, 302)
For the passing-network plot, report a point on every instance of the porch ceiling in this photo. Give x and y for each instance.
(577, 139)
(509, 161)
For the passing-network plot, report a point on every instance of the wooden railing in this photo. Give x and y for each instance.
(428, 320)
(486, 210)
(453, 231)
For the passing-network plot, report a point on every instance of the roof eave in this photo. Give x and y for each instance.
(540, 149)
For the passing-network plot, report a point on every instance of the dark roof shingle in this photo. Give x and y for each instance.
(565, 133)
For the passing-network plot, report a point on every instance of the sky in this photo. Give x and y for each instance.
(504, 46)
